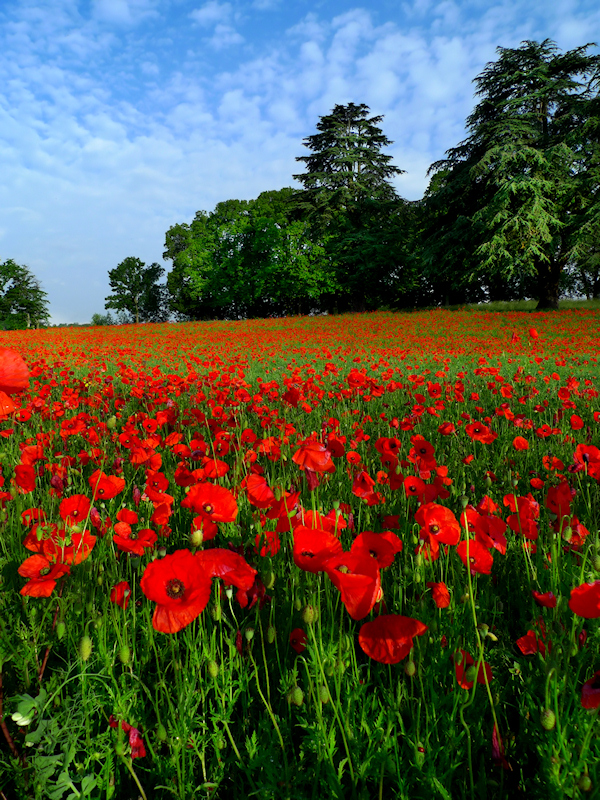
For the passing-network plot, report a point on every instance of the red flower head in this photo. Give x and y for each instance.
(180, 587)
(232, 567)
(211, 501)
(558, 499)
(135, 740)
(462, 662)
(438, 521)
(380, 546)
(121, 594)
(440, 594)
(357, 577)
(547, 600)
(74, 509)
(478, 557)
(585, 600)
(389, 638)
(314, 456)
(14, 375)
(42, 573)
(105, 487)
(590, 692)
(298, 640)
(312, 548)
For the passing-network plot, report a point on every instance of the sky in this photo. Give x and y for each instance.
(121, 118)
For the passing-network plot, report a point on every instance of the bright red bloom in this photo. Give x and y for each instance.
(74, 509)
(531, 643)
(211, 501)
(520, 443)
(267, 543)
(42, 573)
(462, 662)
(547, 600)
(129, 541)
(312, 548)
(314, 456)
(121, 594)
(105, 487)
(136, 742)
(25, 477)
(480, 433)
(440, 594)
(389, 638)
(585, 600)
(14, 374)
(181, 588)
(478, 557)
(380, 546)
(298, 640)
(357, 577)
(231, 567)
(438, 521)
(260, 494)
(558, 499)
(590, 692)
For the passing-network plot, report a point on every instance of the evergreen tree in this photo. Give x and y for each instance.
(513, 199)
(23, 302)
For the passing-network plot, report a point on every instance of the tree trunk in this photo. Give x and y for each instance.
(548, 285)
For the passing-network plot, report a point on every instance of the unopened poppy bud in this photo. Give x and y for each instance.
(298, 603)
(269, 580)
(470, 673)
(585, 783)
(464, 598)
(161, 733)
(125, 654)
(213, 669)
(229, 592)
(161, 552)
(61, 629)
(271, 634)
(410, 668)
(215, 612)
(464, 501)
(483, 628)
(324, 695)
(548, 719)
(249, 634)
(514, 483)
(568, 533)
(596, 563)
(309, 614)
(111, 423)
(488, 481)
(196, 538)
(296, 696)
(85, 648)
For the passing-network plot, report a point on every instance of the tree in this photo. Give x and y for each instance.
(23, 302)
(349, 201)
(136, 290)
(515, 196)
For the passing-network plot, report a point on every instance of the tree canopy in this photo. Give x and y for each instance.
(23, 302)
(135, 290)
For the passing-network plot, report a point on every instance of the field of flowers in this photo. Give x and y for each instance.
(350, 556)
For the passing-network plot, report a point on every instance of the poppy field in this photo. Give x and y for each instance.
(351, 556)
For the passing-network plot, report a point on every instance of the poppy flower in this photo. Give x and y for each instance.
(389, 638)
(42, 573)
(531, 643)
(313, 547)
(260, 494)
(121, 594)
(314, 456)
(380, 546)
(547, 600)
(559, 498)
(74, 509)
(439, 522)
(590, 692)
(298, 640)
(479, 432)
(181, 588)
(267, 543)
(105, 487)
(357, 577)
(14, 374)
(585, 600)
(129, 541)
(520, 443)
(414, 487)
(439, 593)
(211, 501)
(462, 661)
(478, 557)
(231, 567)
(136, 742)
(25, 477)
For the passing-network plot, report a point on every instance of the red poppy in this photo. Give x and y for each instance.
(478, 557)
(440, 594)
(121, 594)
(533, 333)
(298, 640)
(211, 501)
(231, 567)
(590, 692)
(260, 494)
(438, 521)
(414, 487)
(313, 547)
(357, 577)
(531, 643)
(129, 541)
(314, 456)
(267, 543)
(14, 374)
(74, 509)
(462, 662)
(136, 742)
(105, 487)
(585, 600)
(180, 587)
(42, 573)
(520, 443)
(558, 499)
(547, 600)
(480, 433)
(380, 546)
(25, 477)
(389, 638)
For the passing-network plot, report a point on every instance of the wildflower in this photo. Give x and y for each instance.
(462, 662)
(590, 692)
(120, 594)
(298, 640)
(43, 574)
(585, 600)
(213, 502)
(479, 558)
(389, 638)
(313, 547)
(440, 594)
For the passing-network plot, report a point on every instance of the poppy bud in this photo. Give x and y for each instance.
(298, 604)
(61, 629)
(161, 733)
(585, 783)
(269, 580)
(464, 501)
(410, 668)
(196, 538)
(324, 695)
(596, 562)
(215, 612)
(271, 634)
(548, 719)
(309, 615)
(111, 423)
(85, 648)
(296, 696)
(213, 669)
(125, 654)
(249, 634)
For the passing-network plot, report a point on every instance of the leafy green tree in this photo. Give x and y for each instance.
(135, 290)
(23, 302)
(512, 200)
(352, 206)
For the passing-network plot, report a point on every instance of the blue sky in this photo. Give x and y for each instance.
(120, 118)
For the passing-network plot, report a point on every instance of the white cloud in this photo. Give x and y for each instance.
(212, 13)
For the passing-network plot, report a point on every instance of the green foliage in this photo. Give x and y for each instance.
(23, 303)
(102, 319)
(136, 290)
(518, 199)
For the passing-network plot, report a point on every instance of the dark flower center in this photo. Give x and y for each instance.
(175, 588)
(434, 528)
(208, 508)
(307, 554)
